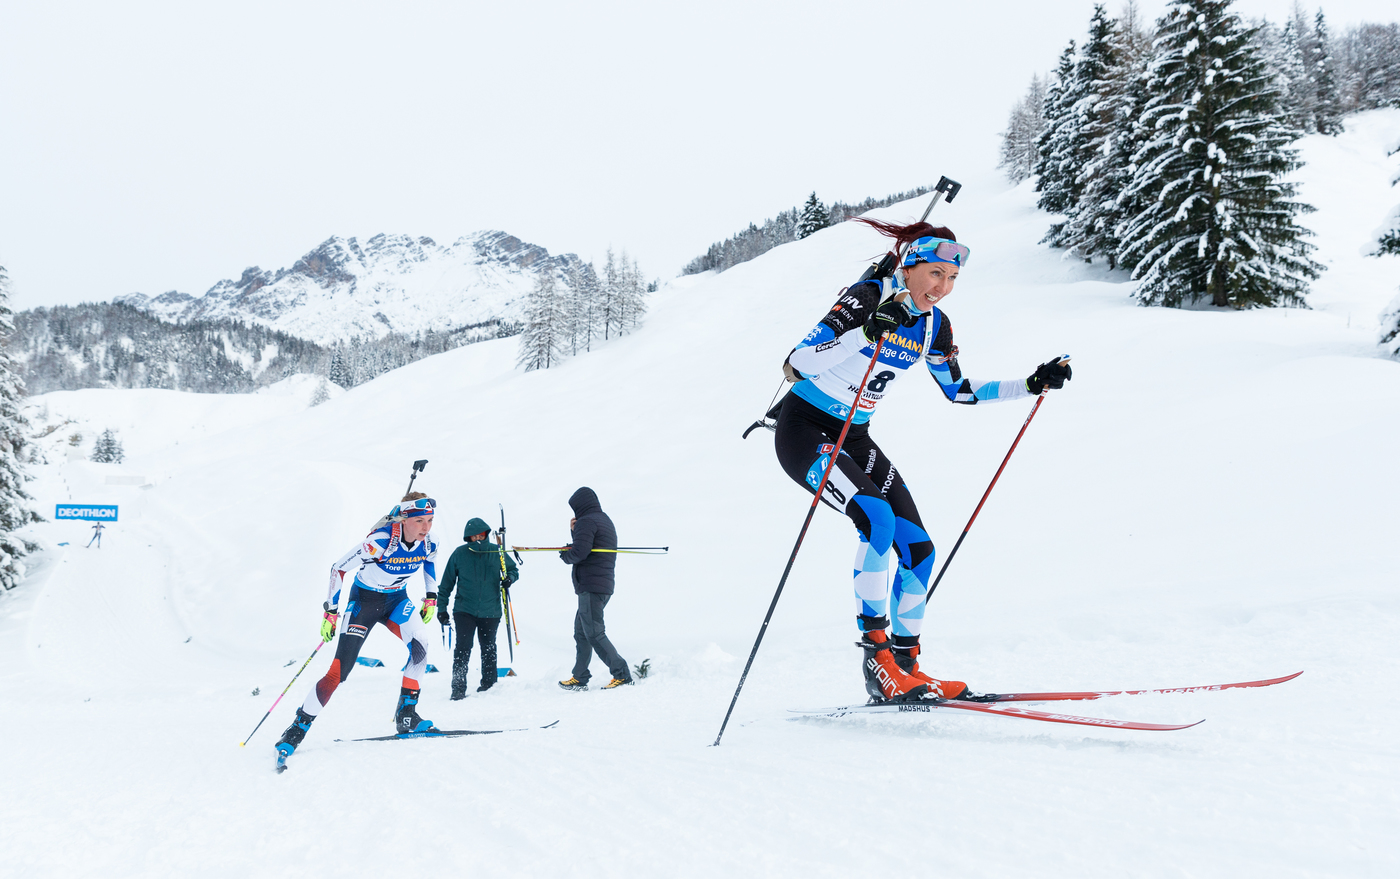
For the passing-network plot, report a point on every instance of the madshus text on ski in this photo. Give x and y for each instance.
(368, 587)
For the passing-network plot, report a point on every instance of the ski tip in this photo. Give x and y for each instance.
(549, 725)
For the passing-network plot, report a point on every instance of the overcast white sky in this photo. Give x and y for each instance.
(152, 146)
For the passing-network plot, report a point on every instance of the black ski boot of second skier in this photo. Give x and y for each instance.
(406, 719)
(292, 737)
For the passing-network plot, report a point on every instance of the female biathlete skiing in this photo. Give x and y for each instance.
(830, 363)
(397, 548)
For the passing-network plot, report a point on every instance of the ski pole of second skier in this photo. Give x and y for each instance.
(816, 500)
(968, 527)
(284, 692)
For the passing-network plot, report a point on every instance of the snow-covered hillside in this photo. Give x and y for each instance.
(1212, 498)
(390, 283)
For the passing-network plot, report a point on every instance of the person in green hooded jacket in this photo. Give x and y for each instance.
(474, 570)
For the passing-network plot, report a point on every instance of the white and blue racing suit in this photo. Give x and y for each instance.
(832, 360)
(382, 565)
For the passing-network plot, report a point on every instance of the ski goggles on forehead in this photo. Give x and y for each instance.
(424, 506)
(930, 249)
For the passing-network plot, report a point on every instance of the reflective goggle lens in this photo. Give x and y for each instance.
(423, 506)
(930, 249)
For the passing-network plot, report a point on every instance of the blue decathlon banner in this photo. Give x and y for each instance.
(101, 512)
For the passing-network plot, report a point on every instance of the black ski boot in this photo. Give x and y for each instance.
(292, 737)
(406, 719)
(906, 656)
(885, 681)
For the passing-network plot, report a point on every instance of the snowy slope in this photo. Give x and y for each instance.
(390, 283)
(1211, 499)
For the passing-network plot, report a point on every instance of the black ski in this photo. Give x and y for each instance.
(446, 733)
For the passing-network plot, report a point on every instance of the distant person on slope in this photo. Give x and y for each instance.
(474, 569)
(396, 549)
(97, 530)
(830, 363)
(593, 584)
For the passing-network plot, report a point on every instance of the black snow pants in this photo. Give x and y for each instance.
(484, 629)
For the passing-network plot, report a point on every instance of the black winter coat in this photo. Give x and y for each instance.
(593, 571)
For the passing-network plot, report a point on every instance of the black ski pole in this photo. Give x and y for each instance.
(418, 467)
(284, 692)
(947, 187)
(505, 590)
(968, 527)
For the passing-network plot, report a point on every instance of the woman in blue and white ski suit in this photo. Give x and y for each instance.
(398, 547)
(831, 363)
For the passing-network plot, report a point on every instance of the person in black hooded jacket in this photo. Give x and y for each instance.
(593, 584)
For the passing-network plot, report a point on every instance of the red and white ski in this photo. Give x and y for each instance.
(1004, 710)
(1099, 694)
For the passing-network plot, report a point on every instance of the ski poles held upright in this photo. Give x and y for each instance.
(319, 645)
(512, 632)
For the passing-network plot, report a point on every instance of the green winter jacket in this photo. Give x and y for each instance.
(474, 570)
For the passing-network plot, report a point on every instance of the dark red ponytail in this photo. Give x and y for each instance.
(906, 235)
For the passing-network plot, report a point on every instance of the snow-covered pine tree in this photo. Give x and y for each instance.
(611, 295)
(108, 449)
(1389, 241)
(814, 217)
(1369, 56)
(15, 509)
(635, 293)
(1104, 205)
(1297, 91)
(1220, 221)
(339, 372)
(573, 309)
(1095, 114)
(1328, 119)
(1055, 167)
(540, 343)
(590, 290)
(321, 394)
(1390, 328)
(1020, 152)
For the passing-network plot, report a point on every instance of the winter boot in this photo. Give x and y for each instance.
(574, 684)
(459, 681)
(885, 681)
(406, 719)
(294, 734)
(906, 656)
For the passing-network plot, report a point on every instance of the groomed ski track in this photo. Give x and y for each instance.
(1212, 498)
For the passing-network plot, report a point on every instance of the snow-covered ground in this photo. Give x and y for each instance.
(1213, 498)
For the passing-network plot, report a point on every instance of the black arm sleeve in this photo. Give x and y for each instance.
(584, 530)
(853, 307)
